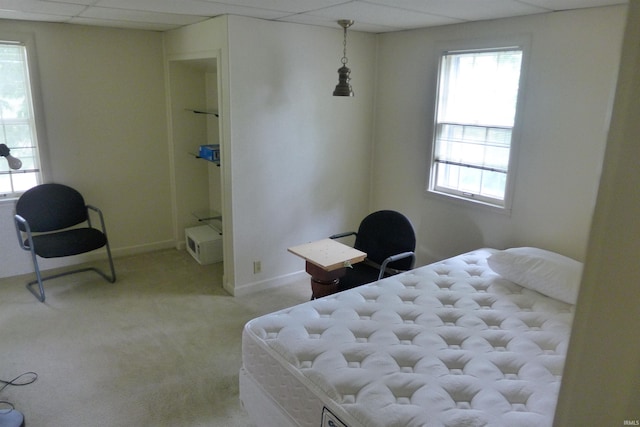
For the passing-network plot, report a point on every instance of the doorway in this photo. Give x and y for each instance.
(195, 126)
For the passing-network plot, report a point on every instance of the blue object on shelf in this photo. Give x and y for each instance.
(210, 152)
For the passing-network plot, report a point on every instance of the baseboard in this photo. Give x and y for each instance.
(140, 249)
(100, 255)
(276, 282)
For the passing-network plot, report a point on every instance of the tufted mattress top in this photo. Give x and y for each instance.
(448, 344)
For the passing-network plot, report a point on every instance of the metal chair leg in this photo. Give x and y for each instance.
(112, 279)
(39, 279)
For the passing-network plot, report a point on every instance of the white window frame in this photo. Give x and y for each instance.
(520, 43)
(37, 121)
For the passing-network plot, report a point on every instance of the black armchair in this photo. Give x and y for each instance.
(389, 240)
(47, 223)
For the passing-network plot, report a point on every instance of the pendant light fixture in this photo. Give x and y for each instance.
(344, 73)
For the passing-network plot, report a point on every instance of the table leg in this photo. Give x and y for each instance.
(323, 282)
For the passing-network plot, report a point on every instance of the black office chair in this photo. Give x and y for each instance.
(47, 218)
(388, 239)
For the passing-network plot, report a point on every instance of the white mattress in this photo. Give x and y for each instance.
(449, 344)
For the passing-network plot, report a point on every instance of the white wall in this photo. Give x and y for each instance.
(601, 381)
(568, 96)
(295, 159)
(103, 95)
(301, 157)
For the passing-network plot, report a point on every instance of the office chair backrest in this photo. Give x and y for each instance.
(49, 207)
(385, 233)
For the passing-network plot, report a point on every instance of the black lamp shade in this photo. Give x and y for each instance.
(343, 88)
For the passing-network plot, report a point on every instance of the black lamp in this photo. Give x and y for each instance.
(344, 73)
(13, 162)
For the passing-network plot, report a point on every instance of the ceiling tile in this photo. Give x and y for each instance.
(190, 7)
(128, 15)
(291, 6)
(307, 19)
(27, 16)
(186, 7)
(148, 26)
(83, 2)
(572, 4)
(465, 9)
(38, 7)
(373, 13)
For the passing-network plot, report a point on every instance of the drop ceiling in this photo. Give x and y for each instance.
(376, 16)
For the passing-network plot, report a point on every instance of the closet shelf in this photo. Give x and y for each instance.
(211, 218)
(211, 113)
(215, 162)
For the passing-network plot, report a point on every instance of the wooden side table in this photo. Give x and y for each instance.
(327, 261)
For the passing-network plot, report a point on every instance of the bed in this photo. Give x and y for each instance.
(478, 339)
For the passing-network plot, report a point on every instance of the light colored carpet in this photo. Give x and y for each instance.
(160, 347)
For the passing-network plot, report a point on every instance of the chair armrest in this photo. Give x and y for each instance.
(95, 209)
(20, 220)
(396, 257)
(22, 223)
(339, 235)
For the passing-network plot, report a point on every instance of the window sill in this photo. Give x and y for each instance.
(467, 203)
(8, 200)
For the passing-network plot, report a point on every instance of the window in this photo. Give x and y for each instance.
(475, 117)
(17, 121)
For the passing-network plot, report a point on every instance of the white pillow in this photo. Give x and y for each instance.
(543, 271)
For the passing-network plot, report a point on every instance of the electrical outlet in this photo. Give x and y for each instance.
(257, 267)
